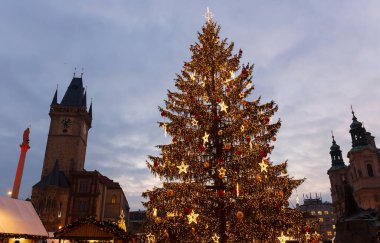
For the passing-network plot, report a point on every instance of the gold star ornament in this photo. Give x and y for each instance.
(223, 107)
(205, 138)
(192, 217)
(182, 168)
(215, 238)
(263, 166)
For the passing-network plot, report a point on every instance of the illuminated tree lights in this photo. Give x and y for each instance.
(220, 184)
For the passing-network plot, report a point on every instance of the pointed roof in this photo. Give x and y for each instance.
(54, 178)
(336, 156)
(84, 101)
(55, 98)
(358, 134)
(90, 110)
(20, 220)
(355, 123)
(74, 94)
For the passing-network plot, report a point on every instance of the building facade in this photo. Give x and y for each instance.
(320, 217)
(66, 191)
(362, 172)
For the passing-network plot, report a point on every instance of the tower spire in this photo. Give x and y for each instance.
(336, 155)
(90, 110)
(55, 97)
(358, 132)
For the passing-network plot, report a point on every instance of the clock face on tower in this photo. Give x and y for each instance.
(66, 124)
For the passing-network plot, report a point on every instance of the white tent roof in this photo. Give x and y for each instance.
(19, 217)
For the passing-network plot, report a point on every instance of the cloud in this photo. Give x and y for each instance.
(313, 58)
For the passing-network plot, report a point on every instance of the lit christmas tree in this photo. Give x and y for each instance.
(219, 183)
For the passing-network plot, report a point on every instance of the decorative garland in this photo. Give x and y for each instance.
(105, 226)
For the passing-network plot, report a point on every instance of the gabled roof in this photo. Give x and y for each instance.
(74, 95)
(91, 229)
(54, 178)
(19, 219)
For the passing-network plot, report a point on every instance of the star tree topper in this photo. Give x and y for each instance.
(208, 15)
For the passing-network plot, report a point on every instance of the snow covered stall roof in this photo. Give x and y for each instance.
(18, 219)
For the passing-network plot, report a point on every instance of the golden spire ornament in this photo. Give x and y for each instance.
(208, 15)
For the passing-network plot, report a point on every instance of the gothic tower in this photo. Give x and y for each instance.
(69, 125)
(65, 154)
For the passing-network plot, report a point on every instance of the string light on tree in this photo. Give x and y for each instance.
(150, 238)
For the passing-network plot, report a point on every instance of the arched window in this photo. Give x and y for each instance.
(113, 199)
(360, 173)
(369, 170)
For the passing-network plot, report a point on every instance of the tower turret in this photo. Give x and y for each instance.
(358, 133)
(336, 156)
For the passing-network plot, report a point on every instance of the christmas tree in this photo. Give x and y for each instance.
(219, 183)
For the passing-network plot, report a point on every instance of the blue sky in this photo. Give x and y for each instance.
(314, 58)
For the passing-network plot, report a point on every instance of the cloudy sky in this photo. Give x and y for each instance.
(314, 58)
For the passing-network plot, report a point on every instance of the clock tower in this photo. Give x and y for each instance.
(64, 156)
(67, 138)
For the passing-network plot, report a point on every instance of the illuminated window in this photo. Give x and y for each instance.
(329, 233)
(327, 212)
(333, 226)
(320, 219)
(113, 199)
(312, 212)
(319, 212)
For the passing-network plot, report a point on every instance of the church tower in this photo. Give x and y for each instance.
(69, 125)
(65, 154)
(337, 175)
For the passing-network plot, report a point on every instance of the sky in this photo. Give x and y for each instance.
(313, 58)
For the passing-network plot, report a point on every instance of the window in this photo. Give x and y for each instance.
(312, 212)
(333, 226)
(369, 169)
(113, 199)
(327, 212)
(329, 233)
(321, 220)
(81, 206)
(319, 212)
(83, 186)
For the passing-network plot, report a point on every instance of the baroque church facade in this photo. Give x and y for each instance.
(66, 191)
(362, 173)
